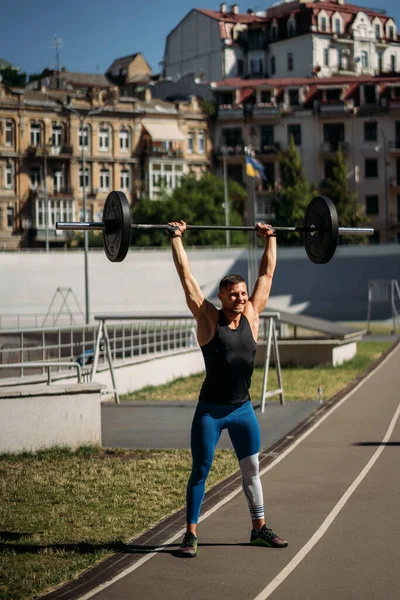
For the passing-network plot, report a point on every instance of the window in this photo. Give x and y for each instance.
(391, 32)
(339, 59)
(58, 181)
(370, 131)
(164, 174)
(267, 137)
(201, 142)
(9, 177)
(256, 65)
(337, 26)
(125, 179)
(274, 32)
(87, 178)
(393, 62)
(104, 179)
(372, 205)
(370, 94)
(226, 98)
(291, 29)
(240, 67)
(10, 217)
(83, 137)
(56, 135)
(294, 98)
(265, 97)
(328, 168)
(59, 210)
(9, 133)
(364, 59)
(36, 134)
(323, 23)
(371, 168)
(380, 61)
(190, 142)
(290, 61)
(326, 57)
(232, 137)
(104, 139)
(124, 140)
(273, 65)
(377, 31)
(295, 132)
(35, 176)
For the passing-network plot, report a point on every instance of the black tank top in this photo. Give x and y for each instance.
(229, 361)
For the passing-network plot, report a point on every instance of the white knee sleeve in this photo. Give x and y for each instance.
(251, 484)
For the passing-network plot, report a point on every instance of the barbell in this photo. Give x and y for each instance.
(321, 228)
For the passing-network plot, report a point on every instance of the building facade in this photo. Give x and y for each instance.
(57, 145)
(289, 39)
(359, 115)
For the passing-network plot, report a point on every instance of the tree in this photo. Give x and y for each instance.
(290, 202)
(198, 202)
(13, 77)
(350, 212)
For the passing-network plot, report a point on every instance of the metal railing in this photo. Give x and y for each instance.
(47, 366)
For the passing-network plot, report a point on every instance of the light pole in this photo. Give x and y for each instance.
(224, 151)
(386, 185)
(82, 118)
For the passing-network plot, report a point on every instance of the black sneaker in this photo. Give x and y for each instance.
(188, 548)
(266, 537)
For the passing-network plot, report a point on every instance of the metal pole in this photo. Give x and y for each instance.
(46, 199)
(85, 234)
(226, 200)
(386, 188)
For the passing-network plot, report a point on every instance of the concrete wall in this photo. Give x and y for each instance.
(146, 281)
(37, 417)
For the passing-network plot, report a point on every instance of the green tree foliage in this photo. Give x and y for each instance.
(290, 202)
(350, 212)
(12, 77)
(197, 202)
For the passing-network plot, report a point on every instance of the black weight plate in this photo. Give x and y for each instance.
(117, 231)
(321, 216)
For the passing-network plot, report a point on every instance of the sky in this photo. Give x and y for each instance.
(93, 33)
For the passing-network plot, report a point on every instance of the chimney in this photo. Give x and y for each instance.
(235, 9)
(250, 11)
(222, 7)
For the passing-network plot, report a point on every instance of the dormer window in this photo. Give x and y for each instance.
(323, 24)
(337, 26)
(377, 31)
(291, 27)
(274, 31)
(391, 32)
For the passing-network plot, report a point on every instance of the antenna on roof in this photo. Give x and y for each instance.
(57, 43)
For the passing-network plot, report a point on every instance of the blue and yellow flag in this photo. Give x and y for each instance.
(254, 168)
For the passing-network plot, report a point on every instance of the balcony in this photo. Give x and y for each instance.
(230, 111)
(263, 109)
(336, 107)
(394, 146)
(158, 152)
(234, 150)
(373, 108)
(332, 147)
(273, 148)
(394, 182)
(62, 193)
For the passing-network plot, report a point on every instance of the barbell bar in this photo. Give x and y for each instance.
(321, 228)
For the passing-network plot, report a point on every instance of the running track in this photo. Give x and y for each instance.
(333, 493)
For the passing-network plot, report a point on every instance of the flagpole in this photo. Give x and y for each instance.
(250, 218)
(226, 198)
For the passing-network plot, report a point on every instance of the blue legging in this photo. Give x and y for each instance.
(208, 422)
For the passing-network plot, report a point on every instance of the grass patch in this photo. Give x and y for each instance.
(62, 511)
(298, 383)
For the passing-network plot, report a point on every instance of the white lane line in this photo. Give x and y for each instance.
(296, 560)
(228, 498)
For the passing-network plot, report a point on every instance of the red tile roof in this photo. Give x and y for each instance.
(229, 17)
